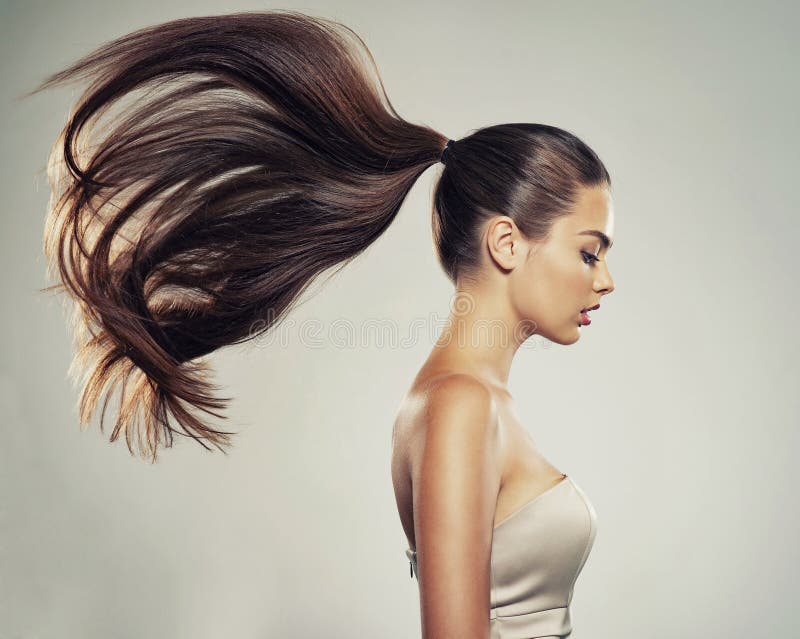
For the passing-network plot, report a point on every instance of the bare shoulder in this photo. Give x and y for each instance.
(457, 395)
(455, 414)
(442, 401)
(442, 415)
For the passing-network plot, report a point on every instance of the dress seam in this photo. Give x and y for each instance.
(532, 612)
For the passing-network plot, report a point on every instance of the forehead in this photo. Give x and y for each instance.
(593, 210)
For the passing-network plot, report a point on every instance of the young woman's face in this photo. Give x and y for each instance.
(568, 272)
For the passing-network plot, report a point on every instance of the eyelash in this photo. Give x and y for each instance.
(594, 258)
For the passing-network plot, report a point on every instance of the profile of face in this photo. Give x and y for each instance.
(552, 281)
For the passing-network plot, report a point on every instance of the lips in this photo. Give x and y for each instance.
(585, 319)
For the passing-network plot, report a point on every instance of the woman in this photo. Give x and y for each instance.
(215, 166)
(490, 521)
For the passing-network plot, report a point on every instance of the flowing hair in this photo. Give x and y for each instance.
(216, 166)
(210, 171)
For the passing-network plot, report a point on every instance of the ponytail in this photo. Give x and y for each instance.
(252, 152)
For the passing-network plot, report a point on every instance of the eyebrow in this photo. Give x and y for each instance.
(599, 234)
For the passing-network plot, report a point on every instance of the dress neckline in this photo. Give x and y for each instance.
(524, 506)
(530, 502)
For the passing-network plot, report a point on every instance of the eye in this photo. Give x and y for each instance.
(589, 258)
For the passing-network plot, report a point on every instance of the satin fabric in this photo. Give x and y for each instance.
(537, 554)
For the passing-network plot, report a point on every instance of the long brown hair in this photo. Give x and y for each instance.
(215, 166)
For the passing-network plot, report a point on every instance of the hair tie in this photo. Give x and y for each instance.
(443, 156)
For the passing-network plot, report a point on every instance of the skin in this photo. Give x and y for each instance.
(462, 461)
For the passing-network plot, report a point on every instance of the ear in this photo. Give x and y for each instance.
(504, 242)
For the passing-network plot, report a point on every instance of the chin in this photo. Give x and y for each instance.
(564, 338)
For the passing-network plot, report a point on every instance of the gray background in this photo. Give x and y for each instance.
(677, 410)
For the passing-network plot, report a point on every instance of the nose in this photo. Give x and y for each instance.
(604, 285)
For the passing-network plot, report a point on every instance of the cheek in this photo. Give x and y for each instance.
(567, 278)
(577, 282)
(551, 288)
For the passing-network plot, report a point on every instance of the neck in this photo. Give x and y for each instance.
(482, 333)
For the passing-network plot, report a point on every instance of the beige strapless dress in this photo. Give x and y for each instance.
(537, 554)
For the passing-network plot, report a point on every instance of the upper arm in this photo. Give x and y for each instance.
(455, 481)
